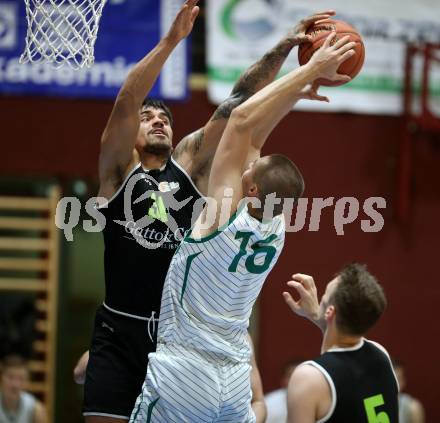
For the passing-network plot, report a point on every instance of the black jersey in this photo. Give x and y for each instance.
(145, 221)
(363, 384)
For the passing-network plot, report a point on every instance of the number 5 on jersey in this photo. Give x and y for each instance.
(259, 247)
(370, 405)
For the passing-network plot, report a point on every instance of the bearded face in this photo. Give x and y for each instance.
(155, 132)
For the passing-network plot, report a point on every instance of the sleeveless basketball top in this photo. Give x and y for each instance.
(212, 284)
(25, 412)
(145, 222)
(362, 381)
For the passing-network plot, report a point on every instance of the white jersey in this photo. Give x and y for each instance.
(212, 284)
(276, 404)
(25, 412)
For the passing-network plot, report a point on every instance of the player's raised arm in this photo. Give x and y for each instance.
(272, 103)
(250, 119)
(119, 136)
(198, 148)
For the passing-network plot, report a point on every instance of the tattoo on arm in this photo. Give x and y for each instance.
(191, 143)
(264, 71)
(198, 139)
(225, 109)
(256, 77)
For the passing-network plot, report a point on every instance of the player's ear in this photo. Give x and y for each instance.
(253, 190)
(330, 313)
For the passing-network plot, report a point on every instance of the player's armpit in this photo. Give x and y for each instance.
(112, 174)
(199, 147)
(308, 395)
(187, 148)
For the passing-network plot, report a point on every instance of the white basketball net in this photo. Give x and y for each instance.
(62, 31)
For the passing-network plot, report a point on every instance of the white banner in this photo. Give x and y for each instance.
(241, 31)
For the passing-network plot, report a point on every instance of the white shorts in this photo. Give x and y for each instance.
(183, 386)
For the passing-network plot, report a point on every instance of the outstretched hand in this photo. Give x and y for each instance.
(184, 21)
(297, 35)
(331, 55)
(307, 305)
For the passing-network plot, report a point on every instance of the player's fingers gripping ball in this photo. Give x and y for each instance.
(318, 32)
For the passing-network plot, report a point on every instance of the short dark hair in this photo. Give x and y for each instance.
(279, 176)
(158, 104)
(359, 300)
(12, 361)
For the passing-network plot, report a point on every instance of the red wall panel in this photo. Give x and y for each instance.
(339, 155)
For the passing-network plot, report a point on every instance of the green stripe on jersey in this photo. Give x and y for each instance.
(150, 409)
(185, 279)
(217, 231)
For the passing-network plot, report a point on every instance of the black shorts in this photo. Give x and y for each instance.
(117, 364)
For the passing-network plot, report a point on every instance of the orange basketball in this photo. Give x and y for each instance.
(319, 32)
